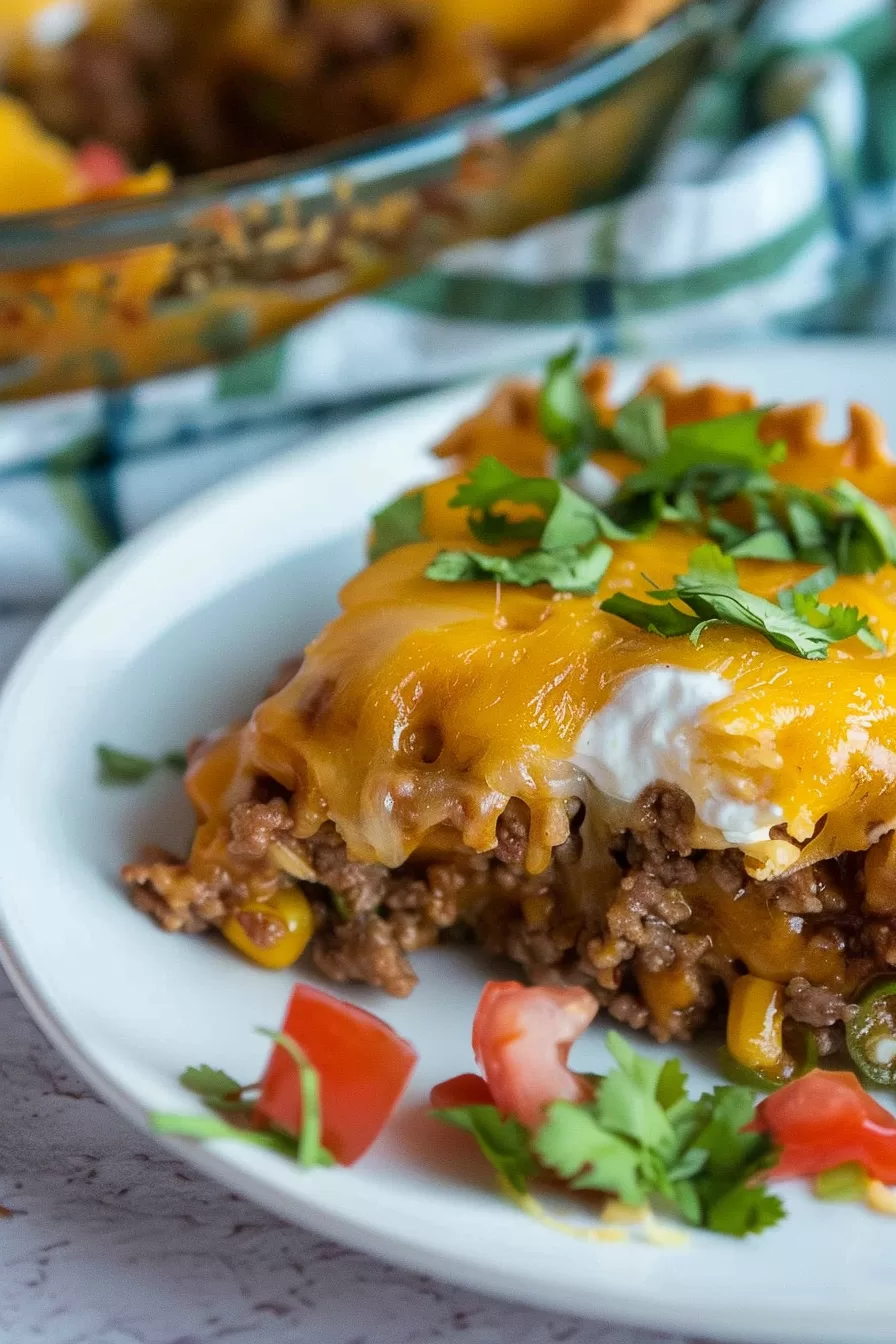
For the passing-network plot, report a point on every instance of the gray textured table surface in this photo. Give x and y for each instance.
(112, 1241)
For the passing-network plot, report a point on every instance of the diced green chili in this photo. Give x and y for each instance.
(871, 1034)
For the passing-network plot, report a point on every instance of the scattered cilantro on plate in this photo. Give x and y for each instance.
(642, 1140)
(232, 1103)
(124, 767)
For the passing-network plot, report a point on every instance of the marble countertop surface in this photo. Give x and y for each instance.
(113, 1241)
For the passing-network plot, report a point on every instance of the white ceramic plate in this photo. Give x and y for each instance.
(177, 633)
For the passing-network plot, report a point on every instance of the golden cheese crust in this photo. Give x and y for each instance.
(425, 712)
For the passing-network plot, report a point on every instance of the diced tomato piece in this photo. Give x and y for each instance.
(467, 1089)
(824, 1119)
(101, 166)
(521, 1040)
(363, 1066)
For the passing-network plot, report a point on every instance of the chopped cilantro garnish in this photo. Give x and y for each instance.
(803, 626)
(719, 457)
(566, 570)
(566, 414)
(642, 1139)
(398, 524)
(639, 429)
(803, 599)
(221, 1093)
(668, 456)
(689, 470)
(867, 537)
(566, 523)
(769, 544)
(654, 617)
(566, 518)
(310, 1152)
(211, 1127)
(503, 1140)
(688, 473)
(123, 767)
(212, 1085)
(568, 420)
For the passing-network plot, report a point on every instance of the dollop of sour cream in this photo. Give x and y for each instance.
(647, 732)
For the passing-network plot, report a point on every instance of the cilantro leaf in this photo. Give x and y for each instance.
(627, 1101)
(868, 540)
(490, 482)
(574, 521)
(308, 1149)
(710, 588)
(733, 1198)
(719, 598)
(729, 1150)
(212, 1127)
(567, 522)
(566, 415)
(671, 1085)
(642, 1136)
(770, 544)
(503, 1140)
(840, 622)
(723, 454)
(839, 526)
(640, 428)
(657, 618)
(567, 519)
(566, 570)
(124, 767)
(744, 1209)
(687, 470)
(573, 1143)
(813, 584)
(733, 438)
(568, 420)
(213, 1085)
(706, 565)
(806, 523)
(221, 1093)
(398, 524)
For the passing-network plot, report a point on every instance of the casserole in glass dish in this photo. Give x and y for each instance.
(145, 278)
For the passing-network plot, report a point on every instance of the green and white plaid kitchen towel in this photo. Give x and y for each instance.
(770, 210)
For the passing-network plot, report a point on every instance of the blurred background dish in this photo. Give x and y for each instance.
(136, 266)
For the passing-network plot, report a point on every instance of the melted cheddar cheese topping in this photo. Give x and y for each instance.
(423, 708)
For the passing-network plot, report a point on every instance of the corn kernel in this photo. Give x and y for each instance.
(756, 1024)
(286, 922)
(536, 909)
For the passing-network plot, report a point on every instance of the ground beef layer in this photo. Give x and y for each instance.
(658, 939)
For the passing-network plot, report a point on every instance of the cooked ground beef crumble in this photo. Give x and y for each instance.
(368, 917)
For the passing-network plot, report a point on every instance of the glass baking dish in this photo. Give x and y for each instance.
(109, 293)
